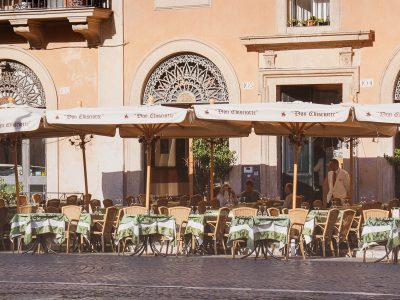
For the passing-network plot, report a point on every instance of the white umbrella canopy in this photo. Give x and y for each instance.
(147, 122)
(378, 113)
(298, 120)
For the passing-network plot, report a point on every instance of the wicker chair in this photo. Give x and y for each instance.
(72, 200)
(218, 233)
(393, 203)
(27, 209)
(201, 207)
(285, 211)
(244, 212)
(3, 221)
(297, 219)
(305, 205)
(94, 203)
(52, 210)
(103, 229)
(341, 232)
(53, 203)
(37, 198)
(184, 200)
(129, 200)
(22, 200)
(273, 212)
(195, 199)
(375, 213)
(117, 221)
(163, 210)
(355, 229)
(181, 215)
(317, 204)
(327, 230)
(142, 199)
(107, 203)
(135, 210)
(73, 213)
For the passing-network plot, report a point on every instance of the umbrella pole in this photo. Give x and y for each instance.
(351, 171)
(211, 171)
(83, 148)
(296, 158)
(15, 154)
(148, 173)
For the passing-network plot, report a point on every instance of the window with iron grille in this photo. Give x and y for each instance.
(308, 12)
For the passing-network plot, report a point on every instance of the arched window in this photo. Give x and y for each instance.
(396, 99)
(186, 78)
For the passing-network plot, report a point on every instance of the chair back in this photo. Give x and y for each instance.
(285, 211)
(37, 198)
(52, 210)
(201, 207)
(305, 205)
(120, 215)
(331, 220)
(53, 203)
(345, 223)
(393, 203)
(135, 210)
(142, 199)
(375, 213)
(107, 203)
(273, 212)
(298, 216)
(2, 203)
(180, 213)
(72, 200)
(376, 205)
(317, 204)
(109, 218)
(184, 200)
(73, 212)
(129, 200)
(244, 212)
(95, 203)
(163, 210)
(162, 202)
(195, 199)
(27, 209)
(336, 202)
(22, 200)
(223, 214)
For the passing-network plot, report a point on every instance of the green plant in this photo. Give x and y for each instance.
(224, 159)
(395, 162)
(7, 192)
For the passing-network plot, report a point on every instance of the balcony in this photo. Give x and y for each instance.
(27, 18)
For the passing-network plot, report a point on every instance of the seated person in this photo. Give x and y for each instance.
(226, 196)
(289, 196)
(249, 195)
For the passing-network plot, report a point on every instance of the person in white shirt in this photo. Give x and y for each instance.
(338, 181)
(226, 196)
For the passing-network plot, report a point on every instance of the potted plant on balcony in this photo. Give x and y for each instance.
(312, 21)
(294, 22)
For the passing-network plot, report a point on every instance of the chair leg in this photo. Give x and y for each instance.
(233, 249)
(332, 249)
(348, 248)
(301, 244)
(68, 239)
(215, 247)
(178, 247)
(223, 245)
(323, 248)
(102, 243)
(364, 255)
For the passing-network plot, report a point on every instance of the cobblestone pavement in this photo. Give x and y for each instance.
(96, 276)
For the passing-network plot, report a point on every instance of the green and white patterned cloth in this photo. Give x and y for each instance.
(28, 225)
(259, 228)
(377, 230)
(84, 224)
(314, 217)
(136, 226)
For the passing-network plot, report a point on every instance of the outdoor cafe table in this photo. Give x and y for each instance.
(314, 217)
(141, 229)
(377, 231)
(39, 225)
(256, 230)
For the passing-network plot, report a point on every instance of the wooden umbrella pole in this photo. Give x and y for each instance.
(351, 171)
(148, 173)
(296, 158)
(211, 171)
(15, 154)
(83, 148)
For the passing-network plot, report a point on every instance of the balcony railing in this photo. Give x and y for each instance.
(13, 5)
(308, 12)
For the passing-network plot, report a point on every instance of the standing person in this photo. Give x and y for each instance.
(249, 194)
(338, 181)
(226, 196)
(289, 196)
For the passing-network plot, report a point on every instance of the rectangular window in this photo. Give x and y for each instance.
(308, 13)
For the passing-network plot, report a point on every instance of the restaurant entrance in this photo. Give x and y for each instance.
(316, 153)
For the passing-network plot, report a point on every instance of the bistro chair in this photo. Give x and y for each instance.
(129, 200)
(181, 215)
(317, 204)
(195, 199)
(355, 230)
(135, 210)
(341, 232)
(37, 198)
(285, 211)
(103, 229)
(218, 229)
(201, 207)
(53, 203)
(95, 203)
(117, 221)
(163, 210)
(142, 199)
(52, 210)
(297, 219)
(27, 209)
(327, 230)
(244, 212)
(375, 213)
(184, 200)
(72, 200)
(107, 203)
(73, 213)
(22, 200)
(336, 202)
(273, 212)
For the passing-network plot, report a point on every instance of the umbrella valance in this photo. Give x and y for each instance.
(380, 113)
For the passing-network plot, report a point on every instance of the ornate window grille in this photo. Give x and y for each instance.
(21, 84)
(186, 78)
(396, 93)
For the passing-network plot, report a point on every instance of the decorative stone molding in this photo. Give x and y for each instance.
(346, 57)
(31, 30)
(269, 57)
(89, 28)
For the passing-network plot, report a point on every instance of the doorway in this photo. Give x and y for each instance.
(314, 156)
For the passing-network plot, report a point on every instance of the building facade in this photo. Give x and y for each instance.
(62, 54)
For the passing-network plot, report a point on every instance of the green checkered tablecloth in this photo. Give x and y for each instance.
(314, 217)
(377, 230)
(259, 228)
(136, 226)
(84, 224)
(28, 225)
